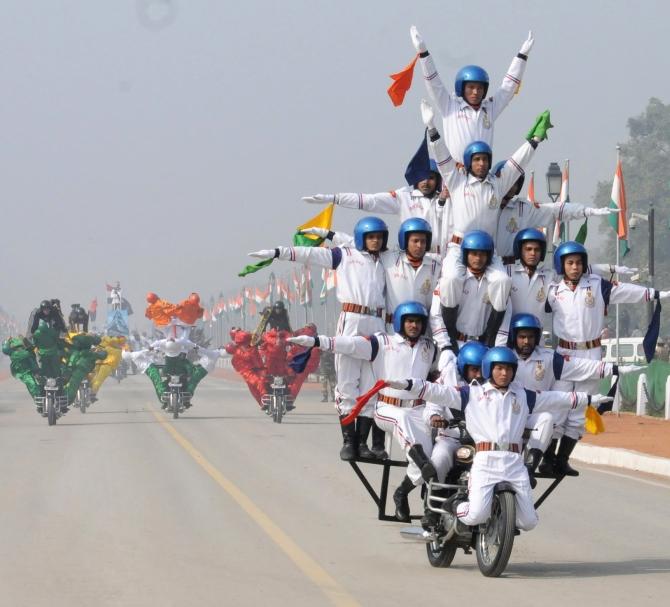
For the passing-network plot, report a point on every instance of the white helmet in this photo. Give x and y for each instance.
(172, 348)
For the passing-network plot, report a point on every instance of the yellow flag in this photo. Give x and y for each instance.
(323, 220)
(594, 422)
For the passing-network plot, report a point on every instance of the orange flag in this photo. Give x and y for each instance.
(402, 81)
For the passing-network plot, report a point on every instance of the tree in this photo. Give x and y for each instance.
(646, 168)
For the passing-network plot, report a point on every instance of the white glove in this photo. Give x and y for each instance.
(623, 369)
(417, 40)
(427, 114)
(263, 254)
(527, 45)
(596, 211)
(663, 294)
(397, 384)
(447, 357)
(302, 340)
(320, 232)
(319, 199)
(597, 399)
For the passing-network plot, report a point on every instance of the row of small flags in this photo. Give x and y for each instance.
(295, 288)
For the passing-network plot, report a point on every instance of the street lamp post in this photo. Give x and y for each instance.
(554, 181)
(649, 218)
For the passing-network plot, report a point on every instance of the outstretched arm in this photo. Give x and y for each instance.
(512, 79)
(383, 202)
(319, 256)
(445, 163)
(357, 346)
(439, 95)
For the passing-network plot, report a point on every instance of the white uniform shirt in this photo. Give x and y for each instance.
(406, 202)
(360, 275)
(492, 415)
(544, 367)
(520, 214)
(462, 124)
(476, 203)
(578, 315)
(391, 356)
(404, 283)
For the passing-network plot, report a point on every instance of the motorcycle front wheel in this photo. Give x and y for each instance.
(277, 408)
(441, 555)
(174, 404)
(494, 543)
(51, 411)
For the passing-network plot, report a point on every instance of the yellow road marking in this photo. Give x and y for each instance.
(337, 595)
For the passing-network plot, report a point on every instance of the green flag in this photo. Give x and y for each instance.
(583, 231)
(250, 269)
(541, 126)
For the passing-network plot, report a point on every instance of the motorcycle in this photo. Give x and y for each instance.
(83, 399)
(279, 401)
(121, 371)
(176, 400)
(52, 404)
(492, 541)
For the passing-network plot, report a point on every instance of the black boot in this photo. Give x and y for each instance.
(419, 457)
(348, 452)
(363, 427)
(532, 460)
(400, 500)
(492, 327)
(549, 458)
(563, 455)
(449, 316)
(378, 442)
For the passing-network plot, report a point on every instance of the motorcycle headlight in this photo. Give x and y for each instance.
(51, 382)
(465, 454)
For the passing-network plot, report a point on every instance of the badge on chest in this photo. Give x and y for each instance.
(541, 295)
(516, 407)
(539, 371)
(512, 225)
(493, 202)
(589, 300)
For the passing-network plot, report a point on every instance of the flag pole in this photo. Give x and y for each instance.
(618, 247)
(567, 197)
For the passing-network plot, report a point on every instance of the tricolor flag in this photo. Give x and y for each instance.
(324, 219)
(619, 221)
(531, 190)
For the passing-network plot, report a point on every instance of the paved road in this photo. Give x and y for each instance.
(121, 507)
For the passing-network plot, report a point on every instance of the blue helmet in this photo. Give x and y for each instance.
(476, 147)
(476, 240)
(367, 225)
(524, 321)
(414, 224)
(531, 234)
(499, 167)
(471, 353)
(499, 354)
(409, 308)
(569, 248)
(470, 73)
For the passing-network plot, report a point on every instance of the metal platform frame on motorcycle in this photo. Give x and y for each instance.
(380, 498)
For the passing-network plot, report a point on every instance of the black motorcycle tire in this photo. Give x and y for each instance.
(503, 518)
(441, 555)
(174, 404)
(51, 412)
(277, 408)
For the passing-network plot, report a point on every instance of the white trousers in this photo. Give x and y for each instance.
(542, 429)
(453, 279)
(354, 376)
(408, 428)
(488, 469)
(571, 423)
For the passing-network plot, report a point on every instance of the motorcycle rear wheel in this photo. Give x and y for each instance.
(494, 544)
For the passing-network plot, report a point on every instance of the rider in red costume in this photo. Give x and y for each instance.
(247, 361)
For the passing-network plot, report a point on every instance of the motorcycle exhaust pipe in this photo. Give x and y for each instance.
(418, 534)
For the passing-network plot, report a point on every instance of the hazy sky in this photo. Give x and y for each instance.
(160, 156)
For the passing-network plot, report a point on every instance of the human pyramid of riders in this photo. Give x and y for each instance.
(453, 318)
(65, 354)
